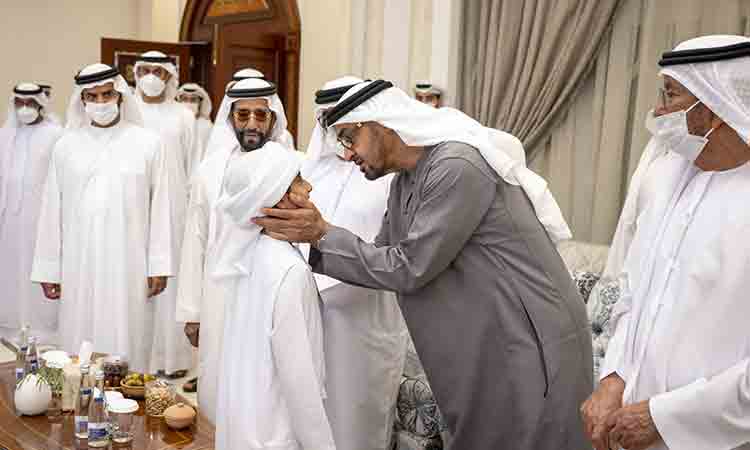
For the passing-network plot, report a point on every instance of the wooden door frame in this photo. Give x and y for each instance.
(283, 24)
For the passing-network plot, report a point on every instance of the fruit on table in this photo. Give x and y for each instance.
(136, 379)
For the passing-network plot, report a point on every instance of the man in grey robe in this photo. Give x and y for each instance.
(468, 243)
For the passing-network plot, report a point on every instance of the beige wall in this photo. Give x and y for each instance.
(50, 40)
(325, 53)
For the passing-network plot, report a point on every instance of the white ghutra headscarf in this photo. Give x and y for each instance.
(155, 58)
(195, 89)
(421, 125)
(99, 75)
(722, 85)
(8, 133)
(222, 134)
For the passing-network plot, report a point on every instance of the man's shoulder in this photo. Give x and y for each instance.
(452, 155)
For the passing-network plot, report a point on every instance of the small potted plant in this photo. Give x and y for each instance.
(54, 378)
(41, 391)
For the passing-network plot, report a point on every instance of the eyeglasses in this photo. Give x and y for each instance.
(259, 114)
(101, 97)
(347, 140)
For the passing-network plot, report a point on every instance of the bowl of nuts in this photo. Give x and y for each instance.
(160, 395)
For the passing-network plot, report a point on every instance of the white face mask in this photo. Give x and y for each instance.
(27, 114)
(102, 113)
(672, 131)
(193, 107)
(151, 85)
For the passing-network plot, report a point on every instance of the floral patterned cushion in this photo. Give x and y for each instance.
(416, 409)
(408, 441)
(602, 300)
(585, 281)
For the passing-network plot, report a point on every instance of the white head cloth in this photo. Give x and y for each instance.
(249, 275)
(323, 142)
(222, 134)
(723, 86)
(174, 80)
(11, 120)
(223, 140)
(7, 137)
(255, 180)
(244, 74)
(422, 125)
(425, 87)
(129, 111)
(194, 89)
(249, 72)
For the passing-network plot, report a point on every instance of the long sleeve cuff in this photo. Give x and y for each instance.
(614, 360)
(706, 413)
(46, 272)
(160, 266)
(185, 314)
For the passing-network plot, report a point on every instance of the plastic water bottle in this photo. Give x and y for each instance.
(23, 346)
(98, 421)
(82, 404)
(31, 363)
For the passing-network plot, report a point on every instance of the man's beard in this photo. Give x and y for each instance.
(251, 139)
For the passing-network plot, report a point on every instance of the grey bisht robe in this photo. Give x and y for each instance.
(497, 322)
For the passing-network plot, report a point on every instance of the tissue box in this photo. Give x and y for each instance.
(72, 383)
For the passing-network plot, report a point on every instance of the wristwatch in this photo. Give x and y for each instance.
(316, 244)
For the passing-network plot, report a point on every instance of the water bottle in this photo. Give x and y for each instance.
(82, 405)
(23, 345)
(98, 421)
(31, 361)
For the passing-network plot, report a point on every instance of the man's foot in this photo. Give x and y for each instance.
(191, 386)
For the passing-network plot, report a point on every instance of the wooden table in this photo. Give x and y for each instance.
(38, 433)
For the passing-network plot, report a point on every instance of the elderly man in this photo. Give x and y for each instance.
(26, 142)
(214, 142)
(677, 371)
(103, 244)
(468, 243)
(156, 88)
(365, 334)
(250, 115)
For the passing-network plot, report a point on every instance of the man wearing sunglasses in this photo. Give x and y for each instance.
(250, 115)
